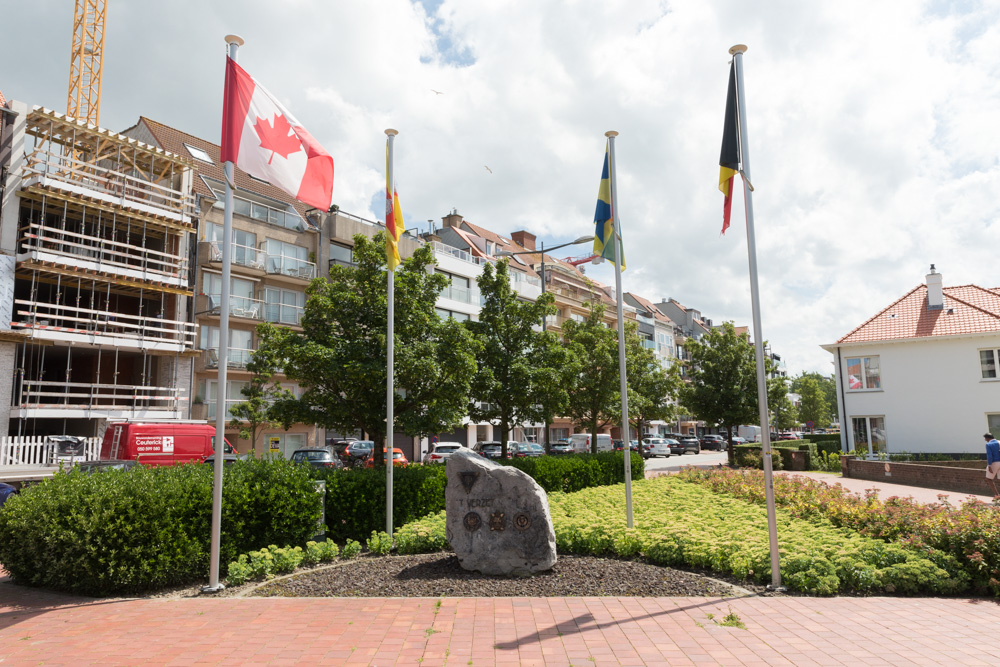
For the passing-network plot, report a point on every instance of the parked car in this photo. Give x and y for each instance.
(339, 446)
(656, 447)
(398, 459)
(529, 450)
(788, 436)
(160, 443)
(712, 441)
(561, 447)
(357, 451)
(685, 443)
(737, 440)
(493, 450)
(317, 457)
(6, 491)
(441, 452)
(227, 459)
(90, 467)
(620, 445)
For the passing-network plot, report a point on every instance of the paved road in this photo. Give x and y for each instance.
(678, 461)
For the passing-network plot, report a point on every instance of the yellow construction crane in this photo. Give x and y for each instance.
(86, 61)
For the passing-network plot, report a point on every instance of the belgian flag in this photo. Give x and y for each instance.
(729, 160)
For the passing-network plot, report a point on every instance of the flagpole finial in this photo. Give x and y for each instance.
(739, 48)
(234, 39)
(611, 133)
(391, 132)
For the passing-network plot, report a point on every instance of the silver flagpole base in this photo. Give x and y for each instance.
(776, 589)
(218, 588)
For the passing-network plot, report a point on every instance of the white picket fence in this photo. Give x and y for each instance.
(34, 451)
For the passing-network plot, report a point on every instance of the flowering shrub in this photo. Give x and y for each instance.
(962, 540)
(678, 523)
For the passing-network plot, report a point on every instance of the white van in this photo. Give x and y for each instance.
(581, 443)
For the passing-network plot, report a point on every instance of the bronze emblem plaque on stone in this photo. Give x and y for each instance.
(472, 522)
(522, 521)
(496, 521)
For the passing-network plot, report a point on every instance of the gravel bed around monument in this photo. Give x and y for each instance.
(437, 574)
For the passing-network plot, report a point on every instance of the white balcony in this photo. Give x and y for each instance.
(235, 357)
(239, 306)
(241, 255)
(280, 313)
(291, 267)
(40, 398)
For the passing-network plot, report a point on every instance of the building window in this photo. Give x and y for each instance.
(993, 424)
(863, 373)
(283, 306)
(234, 395)
(988, 363)
(198, 153)
(445, 314)
(342, 255)
(869, 435)
(457, 289)
(577, 317)
(558, 434)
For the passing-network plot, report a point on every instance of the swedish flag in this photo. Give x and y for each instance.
(603, 218)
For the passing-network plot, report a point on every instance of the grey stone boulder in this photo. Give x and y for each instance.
(498, 519)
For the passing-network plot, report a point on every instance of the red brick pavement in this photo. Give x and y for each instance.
(50, 629)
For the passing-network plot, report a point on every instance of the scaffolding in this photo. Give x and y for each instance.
(102, 277)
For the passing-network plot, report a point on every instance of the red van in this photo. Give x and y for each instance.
(160, 443)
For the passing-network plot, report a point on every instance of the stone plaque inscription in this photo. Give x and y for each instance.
(496, 521)
(522, 521)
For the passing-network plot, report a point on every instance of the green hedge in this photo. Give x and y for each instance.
(355, 498)
(119, 532)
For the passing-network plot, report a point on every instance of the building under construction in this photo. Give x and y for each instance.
(96, 231)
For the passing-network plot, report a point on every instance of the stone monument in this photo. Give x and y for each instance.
(498, 517)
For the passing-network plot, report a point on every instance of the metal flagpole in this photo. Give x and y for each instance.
(617, 240)
(234, 42)
(765, 430)
(389, 350)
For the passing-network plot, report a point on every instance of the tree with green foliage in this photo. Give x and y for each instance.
(252, 415)
(593, 379)
(339, 357)
(783, 413)
(827, 388)
(652, 389)
(813, 405)
(516, 363)
(723, 380)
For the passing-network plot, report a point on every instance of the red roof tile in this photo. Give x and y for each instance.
(968, 309)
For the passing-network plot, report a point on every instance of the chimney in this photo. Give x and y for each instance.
(524, 239)
(935, 293)
(453, 219)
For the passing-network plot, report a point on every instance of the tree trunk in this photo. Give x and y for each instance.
(593, 437)
(504, 430)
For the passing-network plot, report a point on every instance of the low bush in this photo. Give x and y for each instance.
(579, 471)
(751, 456)
(355, 498)
(265, 563)
(120, 532)
(680, 523)
(963, 540)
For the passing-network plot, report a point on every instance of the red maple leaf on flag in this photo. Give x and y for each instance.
(277, 138)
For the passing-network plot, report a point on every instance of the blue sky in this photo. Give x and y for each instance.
(873, 141)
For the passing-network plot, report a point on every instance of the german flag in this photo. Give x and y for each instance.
(729, 160)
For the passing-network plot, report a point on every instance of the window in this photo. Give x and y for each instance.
(239, 339)
(863, 373)
(240, 237)
(286, 443)
(869, 435)
(457, 289)
(233, 396)
(558, 434)
(289, 259)
(445, 314)
(198, 153)
(576, 317)
(342, 255)
(988, 364)
(283, 306)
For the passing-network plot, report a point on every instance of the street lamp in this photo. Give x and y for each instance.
(508, 253)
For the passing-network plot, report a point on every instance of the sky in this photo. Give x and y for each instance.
(873, 141)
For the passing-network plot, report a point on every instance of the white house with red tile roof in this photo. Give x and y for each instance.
(921, 375)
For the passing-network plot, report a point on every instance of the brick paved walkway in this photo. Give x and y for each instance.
(50, 629)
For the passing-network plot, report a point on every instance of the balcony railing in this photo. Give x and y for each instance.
(100, 255)
(213, 407)
(235, 357)
(291, 266)
(242, 255)
(283, 314)
(456, 252)
(111, 184)
(264, 213)
(65, 321)
(461, 294)
(87, 395)
(646, 320)
(239, 306)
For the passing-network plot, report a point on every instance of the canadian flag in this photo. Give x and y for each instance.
(264, 140)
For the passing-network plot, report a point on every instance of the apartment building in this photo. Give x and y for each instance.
(275, 245)
(96, 276)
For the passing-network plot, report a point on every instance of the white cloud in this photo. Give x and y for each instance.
(873, 146)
